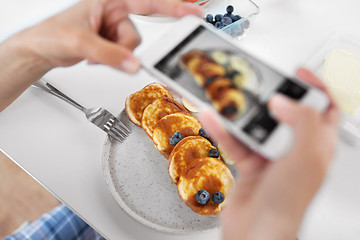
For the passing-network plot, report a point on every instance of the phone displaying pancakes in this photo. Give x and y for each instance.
(205, 67)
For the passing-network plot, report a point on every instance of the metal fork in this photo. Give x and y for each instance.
(98, 116)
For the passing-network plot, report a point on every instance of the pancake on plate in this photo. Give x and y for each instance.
(158, 109)
(205, 174)
(193, 165)
(187, 150)
(138, 101)
(185, 124)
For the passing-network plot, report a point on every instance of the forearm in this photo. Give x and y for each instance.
(265, 226)
(19, 68)
(277, 227)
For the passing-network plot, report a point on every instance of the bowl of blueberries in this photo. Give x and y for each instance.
(234, 17)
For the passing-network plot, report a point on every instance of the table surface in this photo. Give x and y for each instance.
(55, 143)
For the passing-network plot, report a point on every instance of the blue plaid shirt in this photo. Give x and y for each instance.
(59, 224)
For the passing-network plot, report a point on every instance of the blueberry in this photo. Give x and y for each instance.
(226, 21)
(229, 110)
(231, 74)
(208, 81)
(222, 25)
(232, 85)
(217, 24)
(218, 197)
(213, 143)
(210, 18)
(227, 15)
(214, 153)
(218, 17)
(230, 9)
(202, 133)
(230, 15)
(235, 18)
(202, 197)
(175, 138)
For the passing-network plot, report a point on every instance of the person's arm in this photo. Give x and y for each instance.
(97, 30)
(19, 68)
(270, 199)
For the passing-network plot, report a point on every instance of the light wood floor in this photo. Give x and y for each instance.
(21, 197)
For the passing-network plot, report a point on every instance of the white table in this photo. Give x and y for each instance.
(55, 143)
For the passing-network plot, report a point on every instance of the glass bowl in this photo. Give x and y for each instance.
(246, 9)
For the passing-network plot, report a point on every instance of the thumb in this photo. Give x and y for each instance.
(290, 112)
(103, 51)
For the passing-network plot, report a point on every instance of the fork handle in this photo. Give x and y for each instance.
(44, 85)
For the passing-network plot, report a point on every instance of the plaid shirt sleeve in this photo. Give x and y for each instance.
(59, 224)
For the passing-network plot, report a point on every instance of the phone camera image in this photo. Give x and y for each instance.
(226, 79)
(217, 75)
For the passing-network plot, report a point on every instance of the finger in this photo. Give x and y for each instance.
(106, 52)
(127, 35)
(309, 77)
(332, 118)
(305, 121)
(166, 7)
(215, 129)
(331, 123)
(116, 26)
(291, 112)
(92, 62)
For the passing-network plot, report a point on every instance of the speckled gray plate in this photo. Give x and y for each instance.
(137, 176)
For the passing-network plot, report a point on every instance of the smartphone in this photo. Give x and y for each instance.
(204, 66)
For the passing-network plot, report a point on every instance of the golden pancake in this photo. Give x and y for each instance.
(191, 55)
(208, 174)
(158, 109)
(231, 104)
(215, 90)
(210, 70)
(192, 65)
(186, 124)
(185, 152)
(138, 101)
(226, 98)
(201, 66)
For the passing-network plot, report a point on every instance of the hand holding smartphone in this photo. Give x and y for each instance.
(203, 66)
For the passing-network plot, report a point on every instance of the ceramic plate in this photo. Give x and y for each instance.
(137, 177)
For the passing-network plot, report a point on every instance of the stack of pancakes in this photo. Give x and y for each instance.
(219, 87)
(190, 167)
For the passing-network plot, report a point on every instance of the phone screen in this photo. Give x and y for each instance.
(219, 73)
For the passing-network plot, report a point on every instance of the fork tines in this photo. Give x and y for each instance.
(116, 129)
